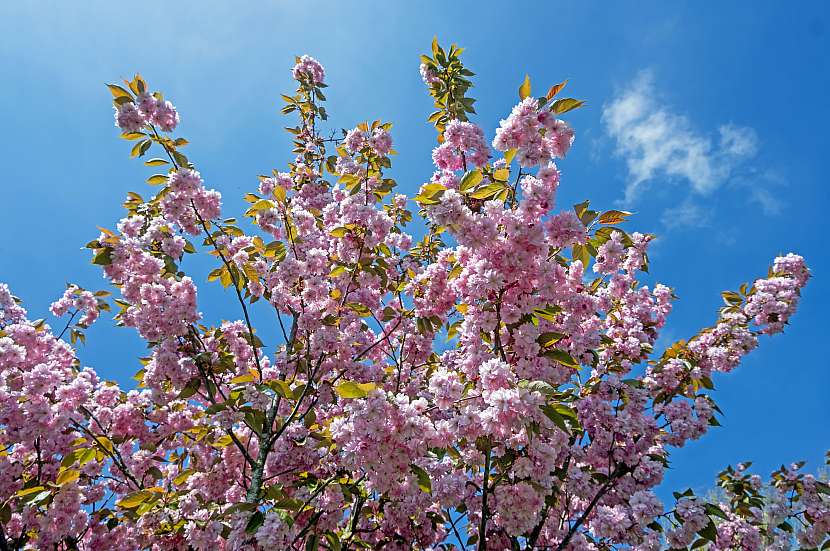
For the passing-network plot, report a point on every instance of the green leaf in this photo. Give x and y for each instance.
(140, 148)
(470, 180)
(133, 500)
(103, 258)
(580, 208)
(156, 162)
(280, 194)
(557, 419)
(541, 386)
(432, 190)
(710, 531)
(190, 389)
(731, 298)
(87, 456)
(281, 387)
(524, 89)
(334, 541)
(29, 491)
(67, 476)
(351, 389)
(714, 510)
(488, 191)
(256, 520)
(581, 253)
(562, 357)
(183, 476)
(548, 313)
(501, 174)
(562, 416)
(424, 483)
(157, 179)
(566, 104)
(548, 339)
(244, 378)
(359, 308)
(118, 92)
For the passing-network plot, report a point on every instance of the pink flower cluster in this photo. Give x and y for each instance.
(775, 299)
(538, 193)
(282, 180)
(694, 518)
(163, 309)
(309, 68)
(378, 140)
(537, 135)
(79, 300)
(188, 204)
(149, 110)
(464, 147)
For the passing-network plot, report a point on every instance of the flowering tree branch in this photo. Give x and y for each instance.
(494, 380)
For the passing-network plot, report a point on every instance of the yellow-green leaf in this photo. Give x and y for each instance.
(183, 476)
(223, 441)
(524, 89)
(246, 378)
(65, 477)
(432, 189)
(133, 500)
(351, 389)
(566, 104)
(470, 180)
(361, 309)
(501, 174)
(262, 204)
(562, 357)
(118, 92)
(104, 442)
(487, 191)
(29, 491)
(279, 193)
(87, 456)
(157, 179)
(281, 387)
(424, 483)
(547, 340)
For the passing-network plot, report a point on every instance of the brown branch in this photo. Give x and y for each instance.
(618, 473)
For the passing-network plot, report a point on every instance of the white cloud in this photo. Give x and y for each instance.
(659, 143)
(687, 214)
(769, 203)
(738, 141)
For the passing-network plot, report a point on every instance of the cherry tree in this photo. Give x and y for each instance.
(491, 385)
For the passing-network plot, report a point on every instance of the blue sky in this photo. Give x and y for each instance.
(709, 120)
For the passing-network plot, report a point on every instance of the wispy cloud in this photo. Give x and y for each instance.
(657, 142)
(769, 203)
(687, 214)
